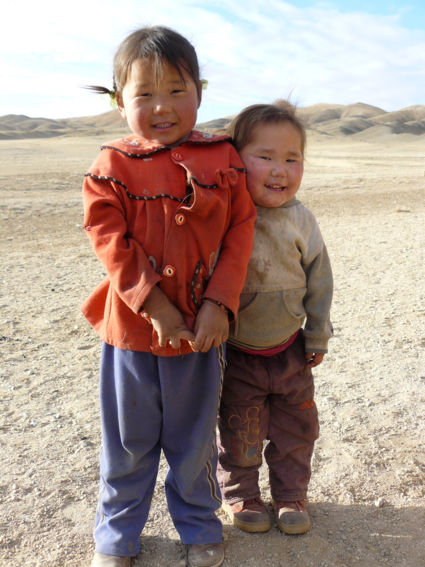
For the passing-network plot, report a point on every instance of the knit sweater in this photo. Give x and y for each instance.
(289, 282)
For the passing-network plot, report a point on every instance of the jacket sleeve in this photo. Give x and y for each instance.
(131, 274)
(229, 274)
(317, 303)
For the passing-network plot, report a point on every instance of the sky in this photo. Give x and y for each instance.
(250, 51)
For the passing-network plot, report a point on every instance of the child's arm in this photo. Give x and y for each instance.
(166, 319)
(317, 303)
(221, 297)
(129, 270)
(228, 277)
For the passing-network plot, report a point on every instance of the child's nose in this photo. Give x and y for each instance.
(160, 105)
(279, 169)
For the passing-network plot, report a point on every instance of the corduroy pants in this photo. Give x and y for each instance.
(267, 399)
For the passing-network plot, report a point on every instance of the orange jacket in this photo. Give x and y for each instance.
(178, 217)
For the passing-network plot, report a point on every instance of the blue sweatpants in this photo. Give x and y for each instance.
(149, 403)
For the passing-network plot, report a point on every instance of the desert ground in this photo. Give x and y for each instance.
(367, 492)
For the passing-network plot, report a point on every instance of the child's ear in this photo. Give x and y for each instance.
(120, 106)
(200, 87)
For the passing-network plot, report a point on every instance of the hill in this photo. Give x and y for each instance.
(359, 119)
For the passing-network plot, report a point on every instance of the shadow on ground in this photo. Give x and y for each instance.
(341, 536)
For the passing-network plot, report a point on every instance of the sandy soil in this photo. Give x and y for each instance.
(367, 496)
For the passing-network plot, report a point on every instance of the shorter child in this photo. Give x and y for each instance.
(281, 331)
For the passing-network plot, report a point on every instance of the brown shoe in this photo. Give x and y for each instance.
(101, 560)
(250, 515)
(205, 554)
(292, 517)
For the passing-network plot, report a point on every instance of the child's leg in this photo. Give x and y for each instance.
(293, 426)
(191, 387)
(243, 424)
(131, 415)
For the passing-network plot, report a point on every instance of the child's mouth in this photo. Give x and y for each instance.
(275, 188)
(163, 125)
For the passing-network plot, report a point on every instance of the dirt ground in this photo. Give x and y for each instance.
(367, 495)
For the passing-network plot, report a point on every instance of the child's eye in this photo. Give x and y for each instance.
(144, 95)
(177, 91)
(264, 157)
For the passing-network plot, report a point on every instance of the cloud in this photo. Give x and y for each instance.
(251, 51)
(322, 55)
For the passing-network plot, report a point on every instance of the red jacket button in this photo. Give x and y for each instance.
(169, 271)
(180, 219)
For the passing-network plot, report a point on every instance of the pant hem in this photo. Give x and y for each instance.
(290, 497)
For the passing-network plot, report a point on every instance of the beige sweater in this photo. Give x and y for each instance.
(289, 282)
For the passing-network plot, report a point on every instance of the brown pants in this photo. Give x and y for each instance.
(267, 398)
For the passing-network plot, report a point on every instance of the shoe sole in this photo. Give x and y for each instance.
(219, 562)
(294, 530)
(247, 526)
(211, 565)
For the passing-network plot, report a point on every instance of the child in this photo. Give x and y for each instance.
(169, 216)
(268, 387)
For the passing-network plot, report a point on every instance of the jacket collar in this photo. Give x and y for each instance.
(132, 145)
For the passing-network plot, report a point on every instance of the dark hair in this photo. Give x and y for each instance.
(160, 44)
(242, 126)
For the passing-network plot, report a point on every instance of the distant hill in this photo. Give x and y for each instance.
(363, 120)
(360, 120)
(14, 126)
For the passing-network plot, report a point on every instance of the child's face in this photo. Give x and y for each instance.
(163, 111)
(274, 163)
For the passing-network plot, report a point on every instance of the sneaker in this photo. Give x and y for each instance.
(101, 560)
(292, 517)
(205, 554)
(249, 515)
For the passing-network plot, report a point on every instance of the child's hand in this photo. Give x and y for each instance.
(171, 328)
(211, 327)
(166, 319)
(314, 358)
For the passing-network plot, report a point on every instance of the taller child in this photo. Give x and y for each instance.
(169, 216)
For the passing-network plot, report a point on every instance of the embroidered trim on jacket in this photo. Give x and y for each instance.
(192, 287)
(213, 186)
(162, 148)
(140, 198)
(130, 195)
(135, 156)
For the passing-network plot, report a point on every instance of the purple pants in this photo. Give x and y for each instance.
(151, 404)
(267, 398)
